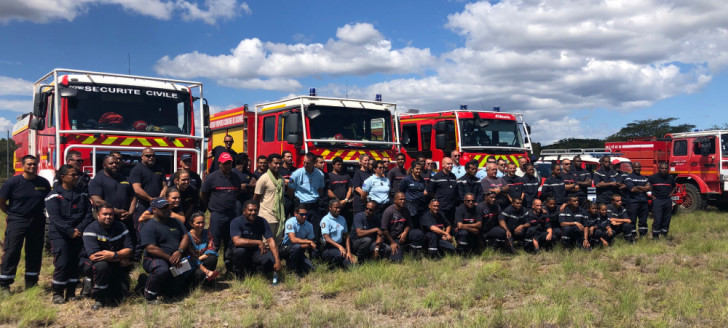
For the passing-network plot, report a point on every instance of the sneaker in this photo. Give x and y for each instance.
(97, 305)
(58, 299)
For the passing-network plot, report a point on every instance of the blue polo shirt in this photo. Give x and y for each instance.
(378, 189)
(305, 185)
(334, 227)
(303, 231)
(458, 170)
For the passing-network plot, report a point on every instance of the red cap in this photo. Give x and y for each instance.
(224, 157)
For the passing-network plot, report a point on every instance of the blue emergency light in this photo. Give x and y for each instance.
(496, 109)
(463, 107)
(312, 92)
(378, 97)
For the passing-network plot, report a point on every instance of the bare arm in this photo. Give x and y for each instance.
(141, 194)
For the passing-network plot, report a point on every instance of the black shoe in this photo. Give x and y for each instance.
(30, 284)
(97, 305)
(86, 287)
(58, 299)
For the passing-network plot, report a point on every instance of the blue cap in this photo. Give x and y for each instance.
(159, 202)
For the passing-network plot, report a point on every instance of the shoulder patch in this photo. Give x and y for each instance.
(323, 224)
(289, 227)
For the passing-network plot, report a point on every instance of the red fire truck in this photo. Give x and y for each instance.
(95, 113)
(329, 127)
(695, 159)
(478, 135)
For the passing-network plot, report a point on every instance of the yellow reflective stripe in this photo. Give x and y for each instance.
(127, 141)
(376, 156)
(349, 155)
(324, 153)
(144, 142)
(89, 140)
(109, 140)
(161, 142)
(178, 143)
(483, 162)
(339, 152)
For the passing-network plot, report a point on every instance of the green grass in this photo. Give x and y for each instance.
(667, 283)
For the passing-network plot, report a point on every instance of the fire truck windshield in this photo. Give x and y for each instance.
(336, 123)
(490, 133)
(724, 145)
(128, 108)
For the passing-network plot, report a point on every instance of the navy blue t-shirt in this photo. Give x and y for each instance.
(26, 198)
(116, 191)
(152, 180)
(414, 191)
(256, 230)
(167, 236)
(223, 191)
(662, 186)
(362, 222)
(444, 188)
(438, 220)
(356, 182)
(339, 184)
(96, 238)
(467, 215)
(245, 178)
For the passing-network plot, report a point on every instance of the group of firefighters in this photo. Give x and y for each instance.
(99, 228)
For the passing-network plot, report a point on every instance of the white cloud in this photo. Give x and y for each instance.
(15, 87)
(6, 124)
(358, 50)
(21, 106)
(44, 11)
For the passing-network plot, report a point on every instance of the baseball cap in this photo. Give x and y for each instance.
(159, 202)
(186, 157)
(224, 157)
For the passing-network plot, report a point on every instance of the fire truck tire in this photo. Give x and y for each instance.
(694, 200)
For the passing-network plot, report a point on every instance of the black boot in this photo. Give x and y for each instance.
(71, 292)
(86, 287)
(58, 294)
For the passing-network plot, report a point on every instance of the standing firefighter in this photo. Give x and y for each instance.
(21, 198)
(663, 186)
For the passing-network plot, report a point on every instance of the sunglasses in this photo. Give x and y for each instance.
(469, 201)
(228, 141)
(303, 215)
(369, 209)
(149, 156)
(77, 161)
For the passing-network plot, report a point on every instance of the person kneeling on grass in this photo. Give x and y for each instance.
(165, 242)
(298, 237)
(513, 221)
(592, 223)
(203, 248)
(539, 234)
(105, 258)
(467, 225)
(437, 235)
(335, 233)
(397, 228)
(619, 219)
(572, 224)
(253, 245)
(367, 239)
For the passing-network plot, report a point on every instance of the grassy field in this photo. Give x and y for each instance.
(679, 282)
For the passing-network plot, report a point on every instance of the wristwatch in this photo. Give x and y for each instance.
(116, 255)
(180, 250)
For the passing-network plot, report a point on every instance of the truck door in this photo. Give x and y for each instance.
(267, 143)
(679, 159)
(704, 162)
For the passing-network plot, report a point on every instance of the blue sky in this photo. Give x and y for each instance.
(575, 69)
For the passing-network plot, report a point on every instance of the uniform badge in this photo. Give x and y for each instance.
(289, 227)
(323, 224)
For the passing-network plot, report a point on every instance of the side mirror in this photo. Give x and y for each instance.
(528, 128)
(292, 139)
(440, 141)
(206, 116)
(293, 124)
(37, 123)
(68, 92)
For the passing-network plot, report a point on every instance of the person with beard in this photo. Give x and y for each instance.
(285, 171)
(496, 184)
(467, 225)
(397, 174)
(148, 181)
(269, 193)
(110, 186)
(261, 166)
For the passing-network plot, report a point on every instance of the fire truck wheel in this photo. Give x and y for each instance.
(694, 200)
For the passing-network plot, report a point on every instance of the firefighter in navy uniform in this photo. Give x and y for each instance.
(619, 219)
(572, 224)
(361, 175)
(105, 257)
(467, 225)
(539, 234)
(285, 171)
(148, 181)
(253, 247)
(74, 159)
(552, 210)
(605, 181)
(638, 186)
(555, 185)
(530, 185)
(397, 174)
(443, 187)
(414, 187)
(570, 179)
(513, 221)
(469, 183)
(490, 230)
(438, 236)
(397, 228)
(22, 199)
(69, 213)
(339, 187)
(220, 195)
(514, 183)
(663, 186)
(367, 239)
(583, 178)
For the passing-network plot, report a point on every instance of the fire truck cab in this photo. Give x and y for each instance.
(95, 113)
(329, 127)
(477, 135)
